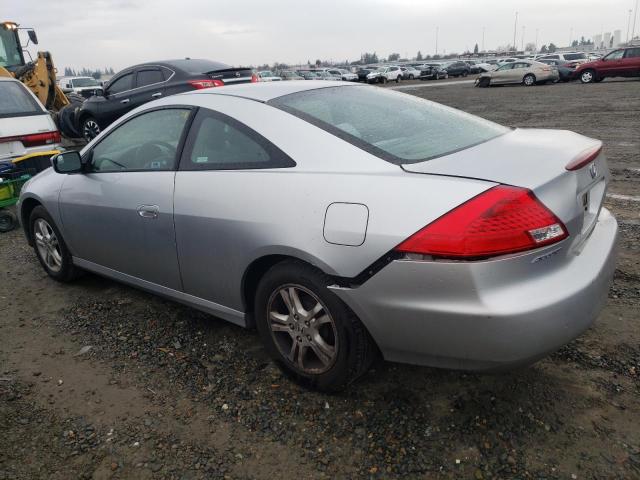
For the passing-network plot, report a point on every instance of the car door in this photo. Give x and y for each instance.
(118, 215)
(519, 70)
(150, 85)
(502, 74)
(213, 226)
(117, 99)
(631, 62)
(613, 64)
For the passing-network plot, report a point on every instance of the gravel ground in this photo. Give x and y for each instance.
(98, 380)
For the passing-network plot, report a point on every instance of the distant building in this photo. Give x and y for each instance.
(616, 38)
(597, 41)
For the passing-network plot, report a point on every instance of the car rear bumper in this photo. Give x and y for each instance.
(488, 314)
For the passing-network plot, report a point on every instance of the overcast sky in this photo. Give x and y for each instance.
(119, 33)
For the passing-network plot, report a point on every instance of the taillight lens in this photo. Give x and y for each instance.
(35, 139)
(499, 221)
(254, 78)
(200, 84)
(585, 157)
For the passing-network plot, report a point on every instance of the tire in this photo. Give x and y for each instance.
(398, 78)
(483, 82)
(464, 74)
(411, 77)
(598, 79)
(89, 128)
(588, 76)
(529, 80)
(59, 268)
(8, 221)
(346, 350)
(383, 80)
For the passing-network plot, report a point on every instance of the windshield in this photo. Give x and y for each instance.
(396, 127)
(10, 51)
(85, 82)
(15, 101)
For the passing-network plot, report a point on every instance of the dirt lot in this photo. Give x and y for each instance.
(98, 380)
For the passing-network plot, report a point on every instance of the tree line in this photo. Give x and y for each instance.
(86, 72)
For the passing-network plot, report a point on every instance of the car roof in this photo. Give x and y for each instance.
(265, 91)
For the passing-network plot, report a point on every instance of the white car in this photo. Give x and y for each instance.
(345, 74)
(391, 73)
(25, 125)
(268, 76)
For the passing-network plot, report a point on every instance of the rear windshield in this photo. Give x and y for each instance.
(396, 127)
(198, 66)
(15, 101)
(574, 56)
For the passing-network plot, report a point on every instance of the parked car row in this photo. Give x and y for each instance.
(622, 62)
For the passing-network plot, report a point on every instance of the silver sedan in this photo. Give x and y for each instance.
(342, 221)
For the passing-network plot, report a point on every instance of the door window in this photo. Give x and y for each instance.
(506, 66)
(149, 77)
(122, 84)
(218, 142)
(146, 142)
(617, 55)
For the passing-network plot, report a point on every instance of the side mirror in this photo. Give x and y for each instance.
(67, 162)
(32, 36)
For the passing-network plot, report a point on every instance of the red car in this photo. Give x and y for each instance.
(624, 62)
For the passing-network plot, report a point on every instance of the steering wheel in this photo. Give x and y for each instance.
(167, 155)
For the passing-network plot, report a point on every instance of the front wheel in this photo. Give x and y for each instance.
(89, 128)
(529, 80)
(588, 76)
(52, 252)
(8, 221)
(411, 77)
(308, 330)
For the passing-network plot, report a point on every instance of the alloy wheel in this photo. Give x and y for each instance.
(303, 329)
(90, 129)
(47, 245)
(587, 77)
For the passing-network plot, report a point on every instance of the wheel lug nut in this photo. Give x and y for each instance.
(299, 339)
(296, 317)
(309, 337)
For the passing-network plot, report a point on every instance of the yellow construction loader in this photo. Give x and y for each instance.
(38, 75)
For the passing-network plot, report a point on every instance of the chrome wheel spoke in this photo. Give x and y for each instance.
(323, 351)
(292, 352)
(278, 327)
(295, 300)
(322, 320)
(56, 257)
(302, 350)
(287, 301)
(278, 317)
(315, 311)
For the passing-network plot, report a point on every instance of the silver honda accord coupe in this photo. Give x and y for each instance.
(342, 221)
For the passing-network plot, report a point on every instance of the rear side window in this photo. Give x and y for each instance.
(399, 128)
(149, 77)
(574, 56)
(15, 101)
(218, 142)
(632, 53)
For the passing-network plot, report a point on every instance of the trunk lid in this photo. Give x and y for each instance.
(232, 75)
(535, 159)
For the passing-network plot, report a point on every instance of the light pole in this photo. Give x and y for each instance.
(536, 40)
(437, 28)
(523, 39)
(629, 25)
(515, 29)
(635, 14)
(483, 38)
(570, 35)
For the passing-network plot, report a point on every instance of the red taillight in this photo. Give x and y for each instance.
(500, 220)
(200, 84)
(34, 140)
(254, 78)
(585, 157)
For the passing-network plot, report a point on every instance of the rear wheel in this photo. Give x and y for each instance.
(52, 252)
(308, 330)
(411, 77)
(398, 78)
(588, 76)
(529, 80)
(483, 82)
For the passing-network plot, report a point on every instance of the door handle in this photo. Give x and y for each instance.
(126, 100)
(156, 95)
(148, 211)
